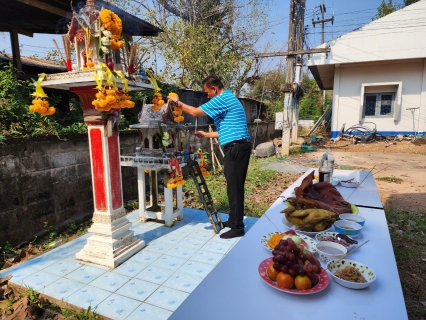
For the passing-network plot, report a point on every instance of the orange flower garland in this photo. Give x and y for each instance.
(40, 103)
(110, 97)
(113, 24)
(107, 99)
(157, 101)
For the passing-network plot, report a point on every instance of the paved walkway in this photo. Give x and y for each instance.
(150, 285)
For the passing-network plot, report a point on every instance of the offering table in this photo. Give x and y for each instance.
(234, 289)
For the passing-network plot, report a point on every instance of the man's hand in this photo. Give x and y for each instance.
(200, 134)
(173, 98)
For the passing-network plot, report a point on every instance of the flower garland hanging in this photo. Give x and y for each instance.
(111, 29)
(202, 164)
(110, 97)
(40, 103)
(177, 111)
(175, 175)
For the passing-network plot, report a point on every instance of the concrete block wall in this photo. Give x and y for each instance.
(49, 180)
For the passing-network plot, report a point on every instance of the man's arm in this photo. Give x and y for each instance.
(192, 111)
(203, 134)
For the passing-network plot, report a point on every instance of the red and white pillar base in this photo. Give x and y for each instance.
(111, 242)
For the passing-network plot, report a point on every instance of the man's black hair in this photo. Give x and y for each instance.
(211, 81)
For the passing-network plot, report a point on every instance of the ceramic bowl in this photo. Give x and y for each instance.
(328, 250)
(352, 217)
(350, 184)
(368, 274)
(325, 235)
(335, 181)
(349, 228)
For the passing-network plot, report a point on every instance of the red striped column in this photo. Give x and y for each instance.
(111, 242)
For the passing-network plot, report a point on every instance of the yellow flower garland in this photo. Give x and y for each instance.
(113, 24)
(40, 104)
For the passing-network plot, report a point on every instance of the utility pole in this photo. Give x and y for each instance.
(293, 71)
(288, 98)
(322, 21)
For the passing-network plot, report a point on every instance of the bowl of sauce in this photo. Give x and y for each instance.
(328, 250)
(349, 228)
(353, 218)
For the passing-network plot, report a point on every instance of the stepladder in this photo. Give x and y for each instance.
(206, 199)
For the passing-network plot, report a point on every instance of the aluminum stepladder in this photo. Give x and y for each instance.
(206, 199)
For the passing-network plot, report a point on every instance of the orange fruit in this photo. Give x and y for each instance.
(303, 282)
(285, 280)
(272, 273)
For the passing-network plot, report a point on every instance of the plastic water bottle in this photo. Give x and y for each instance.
(330, 160)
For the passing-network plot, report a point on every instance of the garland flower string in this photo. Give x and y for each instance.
(40, 104)
(111, 97)
(177, 111)
(111, 33)
(158, 97)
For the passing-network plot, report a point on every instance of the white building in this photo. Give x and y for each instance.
(378, 73)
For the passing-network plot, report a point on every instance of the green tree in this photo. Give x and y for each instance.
(203, 37)
(267, 89)
(386, 8)
(408, 2)
(313, 103)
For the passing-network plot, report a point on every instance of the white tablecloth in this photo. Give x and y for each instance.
(234, 289)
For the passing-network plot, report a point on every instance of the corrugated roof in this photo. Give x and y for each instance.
(46, 64)
(52, 17)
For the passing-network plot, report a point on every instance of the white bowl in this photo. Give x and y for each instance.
(322, 236)
(353, 218)
(328, 250)
(335, 181)
(368, 274)
(350, 184)
(349, 228)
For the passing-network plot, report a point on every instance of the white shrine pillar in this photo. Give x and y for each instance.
(111, 242)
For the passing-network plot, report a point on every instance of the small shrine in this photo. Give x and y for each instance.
(158, 160)
(102, 72)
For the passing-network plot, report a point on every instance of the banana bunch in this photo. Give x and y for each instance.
(313, 220)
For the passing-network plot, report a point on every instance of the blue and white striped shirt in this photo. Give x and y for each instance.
(228, 116)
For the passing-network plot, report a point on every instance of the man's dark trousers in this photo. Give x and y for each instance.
(236, 162)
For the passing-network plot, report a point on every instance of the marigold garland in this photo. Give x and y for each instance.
(113, 26)
(40, 103)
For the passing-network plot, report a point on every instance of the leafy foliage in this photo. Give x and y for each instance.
(312, 104)
(386, 8)
(267, 90)
(16, 120)
(205, 37)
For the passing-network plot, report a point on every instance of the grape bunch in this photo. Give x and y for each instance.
(296, 260)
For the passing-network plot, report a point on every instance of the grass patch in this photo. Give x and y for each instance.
(262, 188)
(407, 234)
(297, 150)
(390, 179)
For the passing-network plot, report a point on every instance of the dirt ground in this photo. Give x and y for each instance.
(405, 160)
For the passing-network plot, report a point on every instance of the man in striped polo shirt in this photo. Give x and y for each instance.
(231, 124)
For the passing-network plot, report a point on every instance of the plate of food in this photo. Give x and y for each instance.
(271, 240)
(301, 230)
(323, 282)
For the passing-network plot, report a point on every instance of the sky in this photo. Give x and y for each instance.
(348, 15)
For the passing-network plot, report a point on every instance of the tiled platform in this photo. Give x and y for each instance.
(150, 285)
